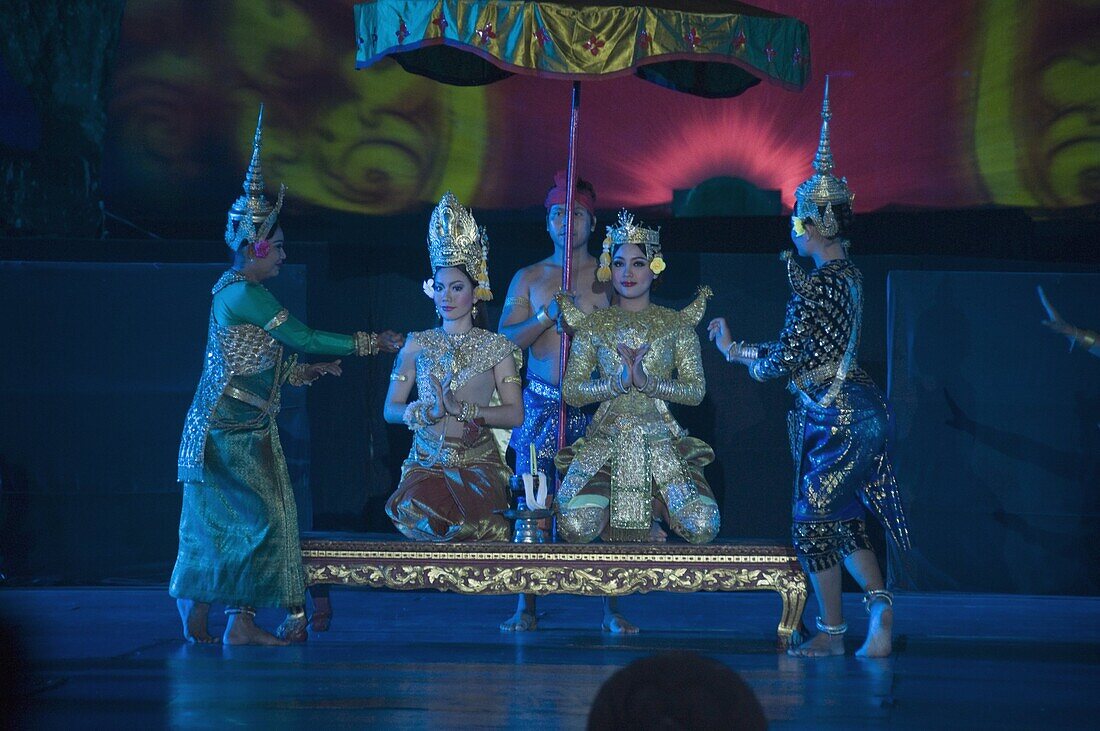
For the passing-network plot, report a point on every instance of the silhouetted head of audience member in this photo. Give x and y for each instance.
(676, 690)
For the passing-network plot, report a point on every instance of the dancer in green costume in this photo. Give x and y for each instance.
(238, 536)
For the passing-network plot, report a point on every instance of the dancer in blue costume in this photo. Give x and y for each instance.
(839, 423)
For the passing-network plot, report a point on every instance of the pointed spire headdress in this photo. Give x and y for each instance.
(454, 238)
(628, 232)
(252, 217)
(816, 197)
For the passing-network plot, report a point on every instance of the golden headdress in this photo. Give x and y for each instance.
(815, 198)
(252, 217)
(454, 238)
(627, 232)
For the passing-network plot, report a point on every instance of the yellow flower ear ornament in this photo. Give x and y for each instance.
(603, 274)
(657, 265)
(797, 226)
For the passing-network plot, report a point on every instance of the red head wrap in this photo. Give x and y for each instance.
(584, 196)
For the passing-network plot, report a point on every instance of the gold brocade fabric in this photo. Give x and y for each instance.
(460, 356)
(454, 498)
(450, 487)
(685, 502)
(558, 40)
(236, 350)
(633, 439)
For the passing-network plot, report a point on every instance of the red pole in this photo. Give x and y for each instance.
(567, 259)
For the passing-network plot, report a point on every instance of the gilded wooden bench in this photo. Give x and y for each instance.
(599, 569)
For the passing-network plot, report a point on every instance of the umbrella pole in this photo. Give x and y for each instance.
(567, 258)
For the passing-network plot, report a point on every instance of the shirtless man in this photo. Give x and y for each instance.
(530, 320)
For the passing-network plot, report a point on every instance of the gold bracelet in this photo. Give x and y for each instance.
(366, 343)
(544, 317)
(1087, 338)
(729, 351)
(468, 412)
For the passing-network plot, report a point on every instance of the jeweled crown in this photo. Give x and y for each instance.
(823, 190)
(454, 239)
(627, 232)
(252, 216)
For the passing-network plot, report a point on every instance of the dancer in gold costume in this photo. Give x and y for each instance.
(467, 382)
(635, 464)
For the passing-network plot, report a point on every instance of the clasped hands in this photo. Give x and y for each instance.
(633, 373)
(446, 403)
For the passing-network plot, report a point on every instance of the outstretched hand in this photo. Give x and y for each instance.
(719, 332)
(313, 371)
(1055, 321)
(390, 342)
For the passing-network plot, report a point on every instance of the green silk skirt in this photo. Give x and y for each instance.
(238, 535)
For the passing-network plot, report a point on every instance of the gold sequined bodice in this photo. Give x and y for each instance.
(673, 363)
(460, 356)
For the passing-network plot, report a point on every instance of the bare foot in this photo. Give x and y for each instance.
(194, 615)
(241, 630)
(322, 614)
(880, 632)
(617, 624)
(293, 628)
(820, 645)
(657, 533)
(521, 621)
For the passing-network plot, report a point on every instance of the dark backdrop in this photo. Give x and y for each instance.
(104, 358)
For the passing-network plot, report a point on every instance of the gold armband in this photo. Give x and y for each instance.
(280, 317)
(544, 317)
(513, 379)
(517, 301)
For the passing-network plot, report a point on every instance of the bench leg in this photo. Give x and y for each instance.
(791, 632)
(322, 608)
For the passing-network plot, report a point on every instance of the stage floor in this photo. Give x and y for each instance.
(112, 658)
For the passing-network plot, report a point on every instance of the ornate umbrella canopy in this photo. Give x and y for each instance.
(703, 47)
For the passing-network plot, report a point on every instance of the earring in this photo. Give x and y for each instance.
(439, 314)
(473, 312)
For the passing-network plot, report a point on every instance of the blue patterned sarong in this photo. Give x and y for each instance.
(540, 426)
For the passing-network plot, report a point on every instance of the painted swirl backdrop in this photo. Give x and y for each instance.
(944, 105)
